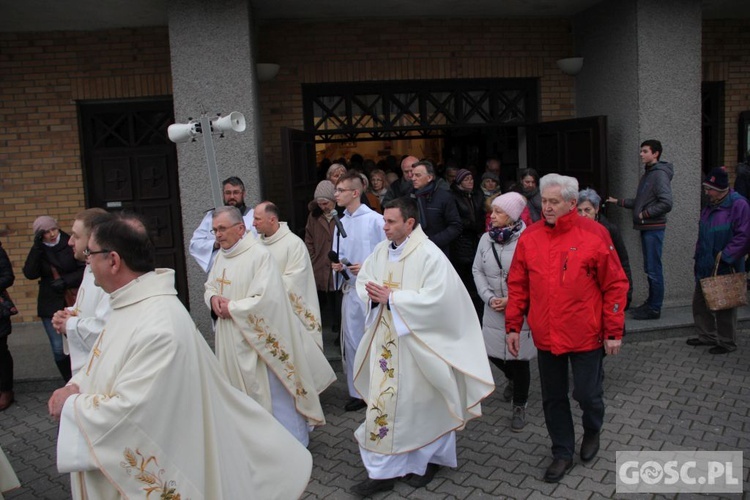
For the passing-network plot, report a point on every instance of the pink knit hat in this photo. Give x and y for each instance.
(44, 223)
(511, 203)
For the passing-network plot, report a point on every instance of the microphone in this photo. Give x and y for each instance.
(339, 226)
(334, 257)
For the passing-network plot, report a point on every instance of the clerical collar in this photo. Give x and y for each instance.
(396, 250)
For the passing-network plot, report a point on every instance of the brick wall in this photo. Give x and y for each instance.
(42, 75)
(382, 49)
(726, 57)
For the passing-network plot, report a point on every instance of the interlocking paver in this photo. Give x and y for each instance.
(660, 394)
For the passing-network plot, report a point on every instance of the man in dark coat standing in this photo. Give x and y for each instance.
(438, 213)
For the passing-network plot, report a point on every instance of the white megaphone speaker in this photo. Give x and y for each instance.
(233, 121)
(183, 132)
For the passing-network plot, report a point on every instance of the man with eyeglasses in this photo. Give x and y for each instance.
(258, 340)
(82, 323)
(203, 244)
(364, 230)
(151, 410)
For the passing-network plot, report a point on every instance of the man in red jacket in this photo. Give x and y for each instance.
(567, 279)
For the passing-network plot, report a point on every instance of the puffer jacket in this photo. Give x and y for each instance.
(567, 279)
(653, 198)
(319, 241)
(723, 228)
(491, 283)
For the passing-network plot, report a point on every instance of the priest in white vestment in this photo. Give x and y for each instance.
(151, 415)
(258, 338)
(203, 245)
(364, 230)
(293, 260)
(82, 323)
(422, 366)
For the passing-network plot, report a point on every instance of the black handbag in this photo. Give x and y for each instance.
(7, 307)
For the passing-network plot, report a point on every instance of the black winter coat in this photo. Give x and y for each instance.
(438, 215)
(6, 280)
(39, 264)
(471, 212)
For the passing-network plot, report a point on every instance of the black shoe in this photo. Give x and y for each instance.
(696, 342)
(372, 486)
(589, 446)
(645, 313)
(354, 404)
(417, 481)
(719, 349)
(557, 470)
(508, 391)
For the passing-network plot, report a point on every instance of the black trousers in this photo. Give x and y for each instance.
(518, 372)
(587, 391)
(6, 366)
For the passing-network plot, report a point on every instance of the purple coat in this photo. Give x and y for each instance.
(723, 228)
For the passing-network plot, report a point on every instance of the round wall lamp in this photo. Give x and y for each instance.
(267, 71)
(571, 65)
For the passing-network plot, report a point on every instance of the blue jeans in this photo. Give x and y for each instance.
(652, 242)
(55, 340)
(588, 375)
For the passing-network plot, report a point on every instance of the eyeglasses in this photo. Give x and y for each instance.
(88, 253)
(341, 190)
(222, 229)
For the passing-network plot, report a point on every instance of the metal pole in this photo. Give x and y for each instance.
(213, 171)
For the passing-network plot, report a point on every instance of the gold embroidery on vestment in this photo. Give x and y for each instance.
(95, 352)
(135, 463)
(223, 281)
(307, 317)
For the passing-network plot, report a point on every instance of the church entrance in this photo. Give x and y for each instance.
(465, 121)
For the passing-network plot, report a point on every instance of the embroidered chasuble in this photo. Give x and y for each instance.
(421, 366)
(157, 418)
(293, 259)
(263, 333)
(90, 313)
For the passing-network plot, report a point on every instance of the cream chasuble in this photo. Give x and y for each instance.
(8, 479)
(157, 418)
(90, 314)
(263, 332)
(421, 367)
(290, 253)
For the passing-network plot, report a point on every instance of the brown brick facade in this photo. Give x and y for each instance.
(726, 58)
(388, 49)
(43, 75)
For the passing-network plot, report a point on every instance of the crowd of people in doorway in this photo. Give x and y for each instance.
(438, 278)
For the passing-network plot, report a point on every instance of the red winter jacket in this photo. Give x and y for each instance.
(568, 281)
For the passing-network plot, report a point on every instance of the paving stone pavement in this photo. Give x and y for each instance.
(660, 394)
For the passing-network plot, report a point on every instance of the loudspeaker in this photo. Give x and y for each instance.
(233, 121)
(182, 132)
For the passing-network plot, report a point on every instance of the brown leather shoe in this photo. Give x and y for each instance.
(6, 399)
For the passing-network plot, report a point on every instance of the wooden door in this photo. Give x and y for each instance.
(130, 164)
(298, 155)
(577, 148)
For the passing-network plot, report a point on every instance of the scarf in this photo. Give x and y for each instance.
(503, 235)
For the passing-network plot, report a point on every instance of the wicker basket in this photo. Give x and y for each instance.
(725, 291)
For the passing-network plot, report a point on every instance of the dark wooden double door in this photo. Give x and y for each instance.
(131, 165)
